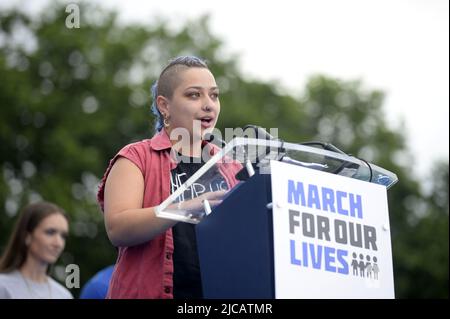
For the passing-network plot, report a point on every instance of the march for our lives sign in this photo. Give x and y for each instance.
(331, 235)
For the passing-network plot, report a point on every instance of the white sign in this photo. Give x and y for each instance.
(331, 235)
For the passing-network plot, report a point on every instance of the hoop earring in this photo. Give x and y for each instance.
(166, 122)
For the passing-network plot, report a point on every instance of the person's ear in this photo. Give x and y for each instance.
(163, 106)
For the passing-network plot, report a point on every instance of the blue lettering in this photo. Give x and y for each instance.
(305, 254)
(294, 260)
(334, 260)
(355, 206)
(296, 193)
(328, 199)
(316, 259)
(329, 259)
(313, 196)
(340, 257)
(339, 196)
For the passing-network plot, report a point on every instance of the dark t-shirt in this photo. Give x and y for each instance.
(187, 282)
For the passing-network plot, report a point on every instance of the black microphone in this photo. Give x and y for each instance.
(259, 132)
(211, 138)
(262, 134)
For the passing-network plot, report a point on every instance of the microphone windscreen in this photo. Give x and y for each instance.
(209, 137)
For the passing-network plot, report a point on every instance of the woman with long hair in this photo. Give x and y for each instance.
(37, 241)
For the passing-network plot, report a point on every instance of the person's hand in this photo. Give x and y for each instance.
(196, 204)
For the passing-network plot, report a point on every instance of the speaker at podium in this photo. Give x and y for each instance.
(304, 222)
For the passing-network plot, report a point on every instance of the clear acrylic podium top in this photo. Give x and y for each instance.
(255, 155)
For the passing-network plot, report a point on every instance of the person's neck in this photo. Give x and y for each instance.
(34, 270)
(188, 148)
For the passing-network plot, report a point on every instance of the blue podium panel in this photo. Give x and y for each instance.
(235, 244)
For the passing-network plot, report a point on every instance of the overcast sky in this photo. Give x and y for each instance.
(398, 46)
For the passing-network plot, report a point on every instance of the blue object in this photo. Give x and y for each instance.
(97, 286)
(383, 180)
(235, 244)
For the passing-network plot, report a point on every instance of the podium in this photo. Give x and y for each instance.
(235, 244)
(291, 229)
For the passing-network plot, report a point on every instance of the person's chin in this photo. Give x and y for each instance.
(51, 259)
(207, 130)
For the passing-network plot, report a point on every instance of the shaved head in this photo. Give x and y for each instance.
(169, 80)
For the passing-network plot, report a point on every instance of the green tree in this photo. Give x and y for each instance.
(422, 247)
(70, 99)
(350, 117)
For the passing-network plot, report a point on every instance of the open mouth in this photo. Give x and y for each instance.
(207, 121)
